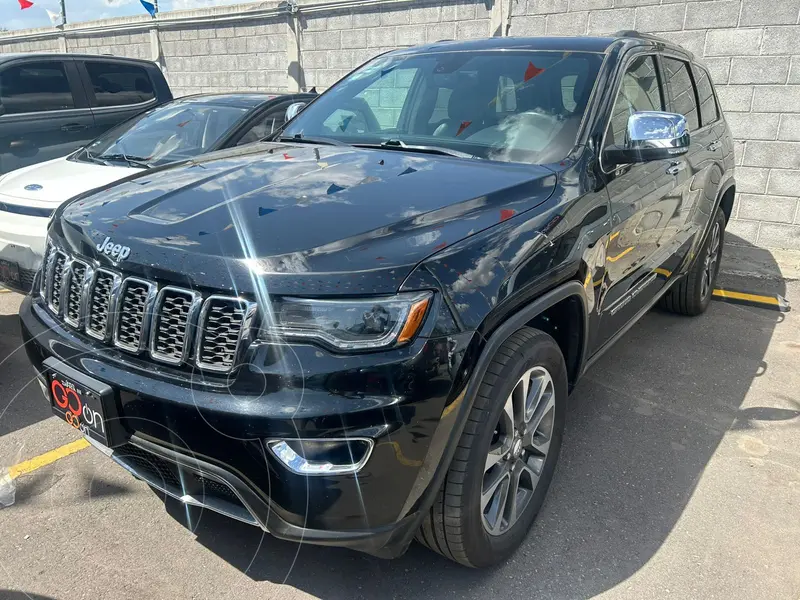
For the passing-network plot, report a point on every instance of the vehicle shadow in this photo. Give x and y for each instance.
(17, 381)
(641, 428)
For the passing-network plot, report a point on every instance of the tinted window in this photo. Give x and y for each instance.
(640, 90)
(117, 84)
(266, 125)
(708, 106)
(519, 106)
(676, 74)
(171, 132)
(35, 87)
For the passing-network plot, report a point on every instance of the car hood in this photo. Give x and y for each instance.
(304, 219)
(55, 181)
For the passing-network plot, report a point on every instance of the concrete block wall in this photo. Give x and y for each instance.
(751, 47)
(247, 55)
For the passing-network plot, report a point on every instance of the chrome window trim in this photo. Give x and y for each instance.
(191, 323)
(244, 333)
(147, 318)
(112, 305)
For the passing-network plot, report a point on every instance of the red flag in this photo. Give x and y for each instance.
(23, 4)
(531, 72)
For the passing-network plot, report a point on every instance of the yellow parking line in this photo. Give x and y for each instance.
(620, 255)
(37, 462)
(746, 297)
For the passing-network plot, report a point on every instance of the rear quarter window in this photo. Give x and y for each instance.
(705, 94)
(119, 84)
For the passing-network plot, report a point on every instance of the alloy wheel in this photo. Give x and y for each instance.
(518, 450)
(710, 266)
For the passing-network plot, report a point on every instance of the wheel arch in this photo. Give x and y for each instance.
(554, 312)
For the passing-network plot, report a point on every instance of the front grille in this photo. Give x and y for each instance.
(135, 316)
(223, 322)
(26, 277)
(100, 304)
(72, 308)
(136, 296)
(171, 333)
(56, 281)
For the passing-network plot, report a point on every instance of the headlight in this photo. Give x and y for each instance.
(361, 324)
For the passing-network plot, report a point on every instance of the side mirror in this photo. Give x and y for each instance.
(650, 136)
(294, 109)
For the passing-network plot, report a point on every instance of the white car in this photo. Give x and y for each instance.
(172, 132)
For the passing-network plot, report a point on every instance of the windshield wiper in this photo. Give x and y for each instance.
(134, 161)
(299, 138)
(401, 145)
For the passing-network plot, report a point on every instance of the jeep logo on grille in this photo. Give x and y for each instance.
(115, 251)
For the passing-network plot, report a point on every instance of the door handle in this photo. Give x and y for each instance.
(73, 127)
(714, 145)
(675, 168)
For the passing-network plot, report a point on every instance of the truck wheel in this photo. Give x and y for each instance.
(506, 455)
(692, 294)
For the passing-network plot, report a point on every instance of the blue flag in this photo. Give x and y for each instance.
(149, 7)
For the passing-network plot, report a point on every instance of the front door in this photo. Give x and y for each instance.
(644, 197)
(43, 112)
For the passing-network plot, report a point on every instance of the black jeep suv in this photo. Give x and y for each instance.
(365, 329)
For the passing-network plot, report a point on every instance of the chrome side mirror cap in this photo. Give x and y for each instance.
(651, 135)
(293, 110)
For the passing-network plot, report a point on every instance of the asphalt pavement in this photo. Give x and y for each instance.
(679, 478)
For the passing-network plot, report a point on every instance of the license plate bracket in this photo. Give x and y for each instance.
(88, 405)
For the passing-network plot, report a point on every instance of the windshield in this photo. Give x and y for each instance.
(518, 106)
(169, 133)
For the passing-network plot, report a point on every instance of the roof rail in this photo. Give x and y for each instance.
(632, 33)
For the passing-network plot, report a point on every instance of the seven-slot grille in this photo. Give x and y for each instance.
(56, 279)
(174, 311)
(136, 299)
(222, 318)
(101, 303)
(74, 293)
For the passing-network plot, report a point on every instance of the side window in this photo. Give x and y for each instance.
(677, 77)
(708, 106)
(386, 96)
(35, 87)
(640, 90)
(266, 125)
(119, 84)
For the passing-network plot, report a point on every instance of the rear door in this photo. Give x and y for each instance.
(701, 178)
(643, 198)
(117, 91)
(44, 113)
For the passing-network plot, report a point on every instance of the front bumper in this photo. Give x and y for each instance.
(22, 239)
(214, 428)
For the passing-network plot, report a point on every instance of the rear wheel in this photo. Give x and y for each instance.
(692, 294)
(506, 455)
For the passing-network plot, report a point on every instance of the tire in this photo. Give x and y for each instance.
(692, 294)
(457, 526)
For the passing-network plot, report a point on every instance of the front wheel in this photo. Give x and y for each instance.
(692, 295)
(506, 456)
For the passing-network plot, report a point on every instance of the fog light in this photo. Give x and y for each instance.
(326, 456)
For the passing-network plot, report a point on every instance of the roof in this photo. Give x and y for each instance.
(237, 99)
(574, 43)
(63, 55)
